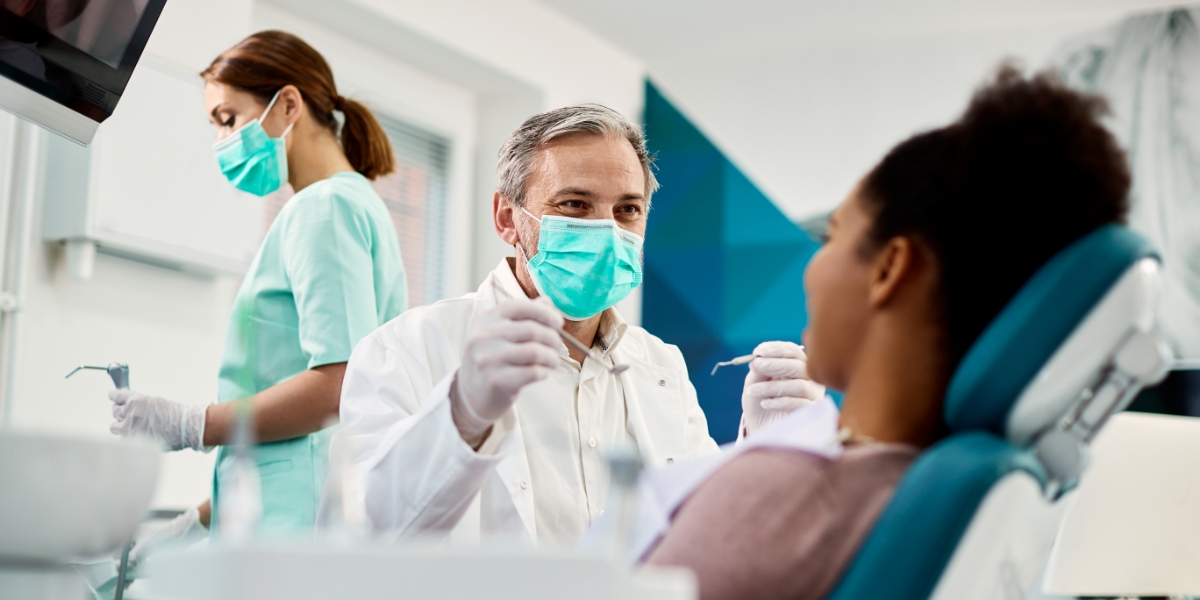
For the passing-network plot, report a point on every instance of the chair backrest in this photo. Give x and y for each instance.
(1069, 349)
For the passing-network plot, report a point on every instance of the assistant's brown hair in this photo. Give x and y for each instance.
(268, 60)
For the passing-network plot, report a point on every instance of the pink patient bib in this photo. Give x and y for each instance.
(662, 490)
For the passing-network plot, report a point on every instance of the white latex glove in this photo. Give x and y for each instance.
(183, 530)
(176, 425)
(777, 384)
(511, 346)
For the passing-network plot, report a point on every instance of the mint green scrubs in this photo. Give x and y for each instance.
(327, 274)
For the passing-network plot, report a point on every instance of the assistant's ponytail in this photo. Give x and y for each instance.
(268, 60)
(366, 145)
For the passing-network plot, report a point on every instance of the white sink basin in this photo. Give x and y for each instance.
(63, 497)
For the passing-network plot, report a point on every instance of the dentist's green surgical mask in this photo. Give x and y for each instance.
(253, 161)
(585, 266)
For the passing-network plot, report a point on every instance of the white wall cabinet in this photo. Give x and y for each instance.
(149, 188)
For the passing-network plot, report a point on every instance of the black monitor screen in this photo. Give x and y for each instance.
(79, 53)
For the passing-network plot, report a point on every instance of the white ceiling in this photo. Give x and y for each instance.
(805, 95)
(660, 31)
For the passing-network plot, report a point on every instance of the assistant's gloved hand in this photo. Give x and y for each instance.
(183, 530)
(777, 384)
(512, 346)
(176, 425)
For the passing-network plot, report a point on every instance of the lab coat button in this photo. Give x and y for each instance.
(662, 383)
(524, 485)
(592, 442)
(670, 461)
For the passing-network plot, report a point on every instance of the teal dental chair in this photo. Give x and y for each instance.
(976, 514)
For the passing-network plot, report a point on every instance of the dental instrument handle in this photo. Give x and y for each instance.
(119, 372)
(122, 571)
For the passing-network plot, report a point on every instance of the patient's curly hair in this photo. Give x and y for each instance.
(1027, 170)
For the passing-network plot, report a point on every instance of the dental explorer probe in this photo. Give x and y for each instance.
(741, 360)
(578, 345)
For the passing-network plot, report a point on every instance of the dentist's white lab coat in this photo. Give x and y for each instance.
(417, 474)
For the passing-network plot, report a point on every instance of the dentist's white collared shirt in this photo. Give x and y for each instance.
(541, 474)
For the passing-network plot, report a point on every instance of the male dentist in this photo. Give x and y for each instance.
(471, 415)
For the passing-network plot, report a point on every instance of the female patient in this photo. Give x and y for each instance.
(920, 257)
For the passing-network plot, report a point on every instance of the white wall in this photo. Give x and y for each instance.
(470, 69)
(169, 326)
(805, 124)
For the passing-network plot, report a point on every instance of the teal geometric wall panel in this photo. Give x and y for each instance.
(724, 266)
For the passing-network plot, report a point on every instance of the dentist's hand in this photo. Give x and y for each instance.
(512, 346)
(176, 425)
(777, 384)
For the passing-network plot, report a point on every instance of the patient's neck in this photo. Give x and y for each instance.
(895, 393)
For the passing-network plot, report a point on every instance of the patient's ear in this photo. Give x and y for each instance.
(895, 266)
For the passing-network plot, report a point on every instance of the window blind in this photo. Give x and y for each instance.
(415, 195)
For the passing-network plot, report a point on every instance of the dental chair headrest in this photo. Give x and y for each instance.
(1057, 336)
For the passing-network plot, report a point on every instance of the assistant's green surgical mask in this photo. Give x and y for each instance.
(252, 160)
(585, 266)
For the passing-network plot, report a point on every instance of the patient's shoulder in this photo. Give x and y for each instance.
(786, 469)
(781, 522)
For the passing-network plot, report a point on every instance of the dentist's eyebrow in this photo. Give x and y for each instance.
(574, 191)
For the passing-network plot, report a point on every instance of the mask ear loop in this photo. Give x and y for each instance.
(521, 247)
(271, 105)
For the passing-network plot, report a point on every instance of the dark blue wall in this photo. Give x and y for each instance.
(724, 267)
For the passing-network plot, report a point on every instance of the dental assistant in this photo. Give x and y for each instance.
(471, 416)
(328, 273)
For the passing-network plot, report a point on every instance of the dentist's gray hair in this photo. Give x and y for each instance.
(518, 153)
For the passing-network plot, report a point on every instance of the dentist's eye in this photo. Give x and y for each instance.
(630, 212)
